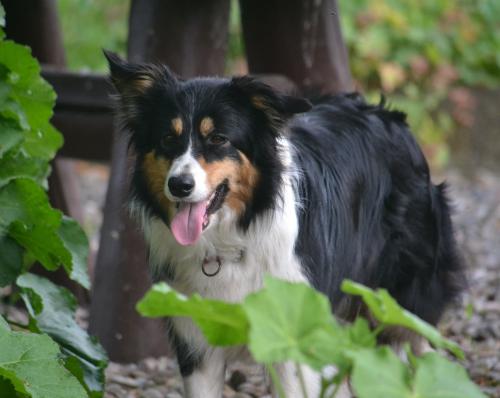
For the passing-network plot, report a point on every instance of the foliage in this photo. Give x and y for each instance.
(210, 315)
(293, 322)
(51, 309)
(419, 52)
(32, 231)
(89, 26)
(31, 364)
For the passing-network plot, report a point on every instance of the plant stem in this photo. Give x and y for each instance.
(301, 380)
(379, 329)
(276, 381)
(337, 388)
(19, 325)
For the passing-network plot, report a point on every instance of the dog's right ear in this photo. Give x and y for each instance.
(131, 79)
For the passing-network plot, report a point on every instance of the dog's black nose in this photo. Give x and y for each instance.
(181, 186)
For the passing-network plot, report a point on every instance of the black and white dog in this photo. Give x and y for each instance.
(233, 180)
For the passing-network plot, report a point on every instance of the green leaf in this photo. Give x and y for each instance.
(25, 201)
(7, 389)
(76, 242)
(85, 372)
(42, 243)
(379, 373)
(11, 261)
(437, 377)
(42, 142)
(291, 321)
(360, 334)
(221, 323)
(31, 363)
(52, 311)
(28, 99)
(26, 215)
(17, 165)
(387, 311)
(34, 94)
(11, 135)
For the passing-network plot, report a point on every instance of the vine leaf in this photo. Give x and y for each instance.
(387, 311)
(51, 310)
(32, 364)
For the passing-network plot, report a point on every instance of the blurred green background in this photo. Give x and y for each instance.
(424, 55)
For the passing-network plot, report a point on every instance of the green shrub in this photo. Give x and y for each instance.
(293, 322)
(418, 51)
(51, 356)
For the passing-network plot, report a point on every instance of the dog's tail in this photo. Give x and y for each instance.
(448, 263)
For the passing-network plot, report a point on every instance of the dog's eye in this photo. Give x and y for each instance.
(167, 140)
(217, 139)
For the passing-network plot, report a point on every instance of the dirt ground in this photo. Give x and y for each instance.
(475, 324)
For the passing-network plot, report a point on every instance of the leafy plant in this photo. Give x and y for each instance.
(52, 356)
(88, 26)
(293, 322)
(418, 53)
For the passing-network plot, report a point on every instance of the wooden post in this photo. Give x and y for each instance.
(191, 37)
(300, 39)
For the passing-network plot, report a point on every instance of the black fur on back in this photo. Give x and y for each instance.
(369, 210)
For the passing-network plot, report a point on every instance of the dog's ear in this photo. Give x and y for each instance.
(131, 79)
(277, 107)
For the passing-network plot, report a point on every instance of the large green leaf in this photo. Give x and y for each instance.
(76, 242)
(221, 323)
(26, 215)
(42, 243)
(32, 363)
(34, 94)
(11, 135)
(23, 200)
(29, 100)
(42, 142)
(292, 321)
(437, 377)
(17, 165)
(7, 389)
(379, 373)
(387, 311)
(52, 311)
(11, 260)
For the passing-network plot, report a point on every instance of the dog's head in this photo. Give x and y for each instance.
(202, 145)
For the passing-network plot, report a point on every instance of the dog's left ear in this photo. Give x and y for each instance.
(131, 79)
(278, 107)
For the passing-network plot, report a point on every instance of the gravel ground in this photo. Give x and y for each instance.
(475, 324)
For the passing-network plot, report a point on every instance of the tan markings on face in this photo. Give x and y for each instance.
(177, 125)
(206, 126)
(242, 177)
(155, 170)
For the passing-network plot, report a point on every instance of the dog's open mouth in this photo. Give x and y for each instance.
(193, 218)
(215, 201)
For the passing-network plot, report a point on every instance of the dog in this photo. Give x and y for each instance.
(233, 180)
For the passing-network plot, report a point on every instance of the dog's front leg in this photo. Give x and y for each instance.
(290, 381)
(207, 379)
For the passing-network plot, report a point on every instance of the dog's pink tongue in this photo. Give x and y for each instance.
(188, 222)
